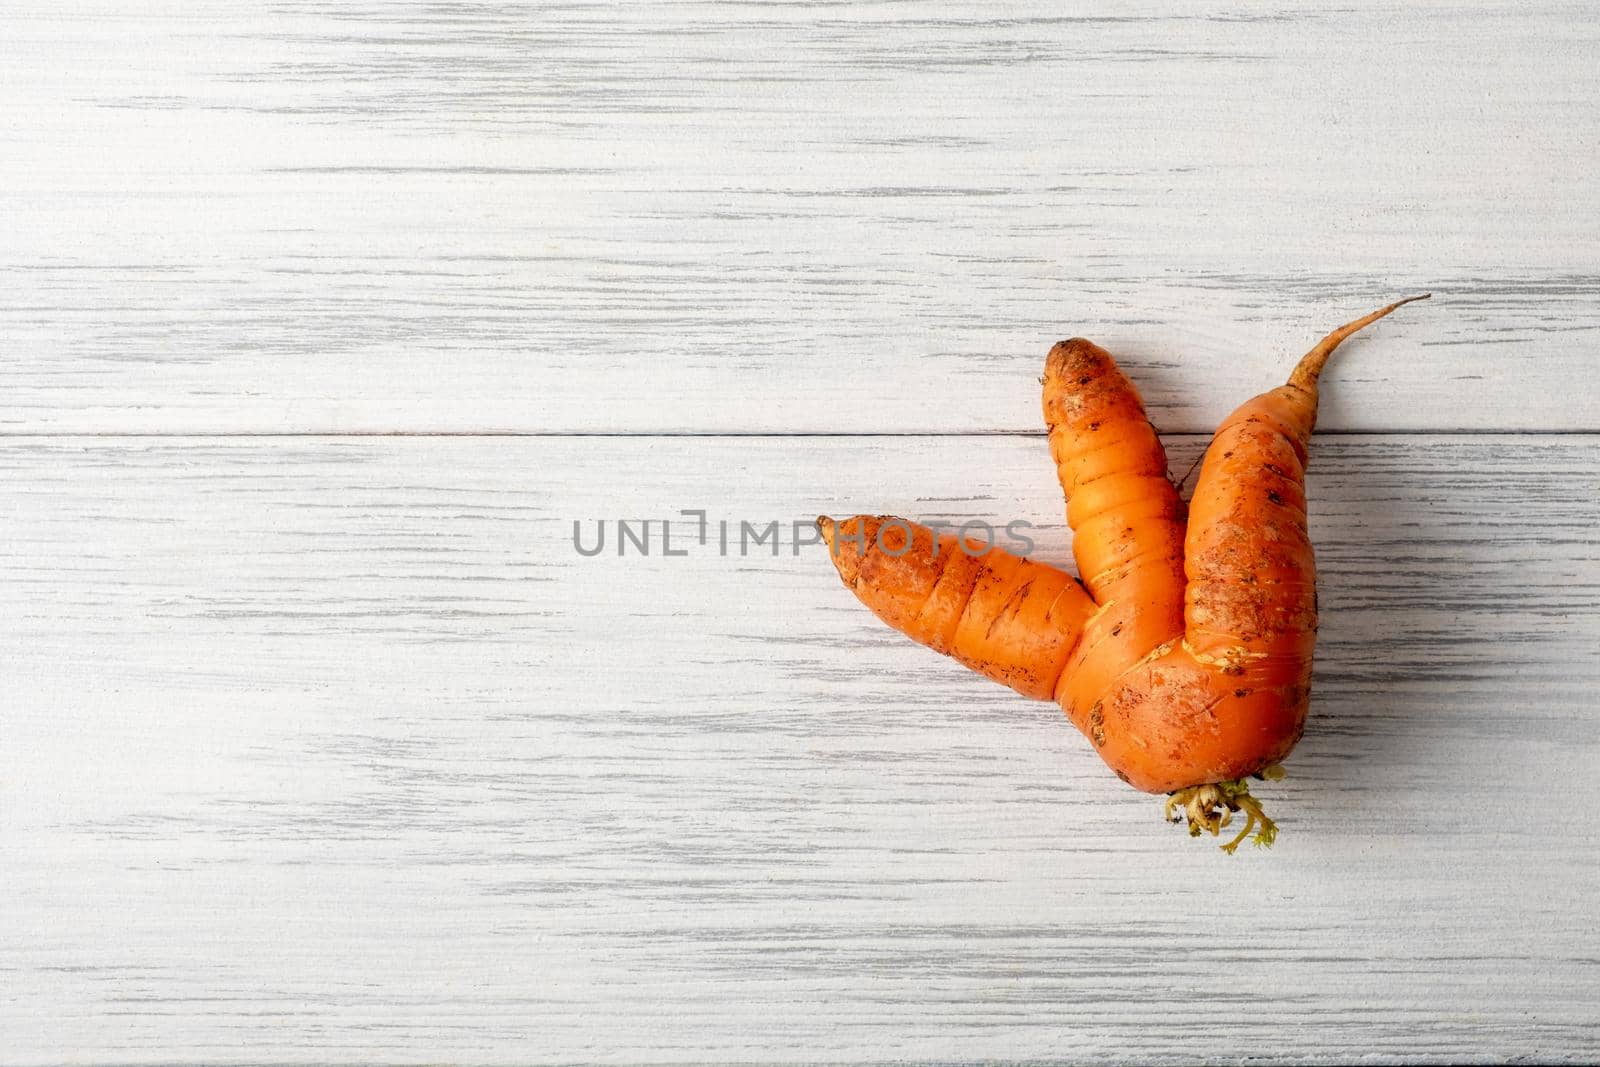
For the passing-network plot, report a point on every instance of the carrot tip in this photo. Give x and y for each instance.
(1311, 364)
(848, 564)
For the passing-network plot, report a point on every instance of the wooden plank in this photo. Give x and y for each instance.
(332, 750)
(380, 216)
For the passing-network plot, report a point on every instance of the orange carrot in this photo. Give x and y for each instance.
(1185, 654)
(1007, 618)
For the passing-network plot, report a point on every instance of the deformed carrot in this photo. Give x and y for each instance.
(1185, 653)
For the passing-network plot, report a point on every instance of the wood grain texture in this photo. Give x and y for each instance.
(331, 748)
(334, 750)
(742, 217)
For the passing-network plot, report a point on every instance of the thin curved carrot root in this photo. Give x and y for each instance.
(1310, 366)
(1211, 807)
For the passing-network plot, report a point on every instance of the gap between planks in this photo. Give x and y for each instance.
(113, 435)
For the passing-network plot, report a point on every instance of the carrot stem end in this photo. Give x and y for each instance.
(1211, 807)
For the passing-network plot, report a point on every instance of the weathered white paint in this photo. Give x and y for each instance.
(330, 748)
(333, 749)
(759, 217)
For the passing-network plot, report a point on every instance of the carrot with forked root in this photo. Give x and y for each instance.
(1185, 652)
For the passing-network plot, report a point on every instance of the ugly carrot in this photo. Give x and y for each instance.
(1184, 655)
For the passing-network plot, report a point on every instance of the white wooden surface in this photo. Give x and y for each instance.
(766, 217)
(319, 742)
